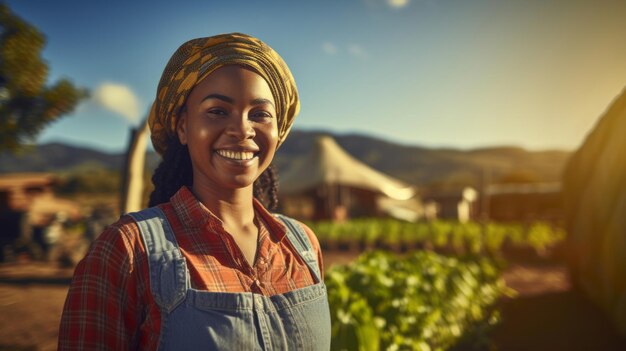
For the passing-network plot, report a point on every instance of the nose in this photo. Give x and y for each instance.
(241, 128)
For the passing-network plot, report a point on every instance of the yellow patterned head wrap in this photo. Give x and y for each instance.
(197, 58)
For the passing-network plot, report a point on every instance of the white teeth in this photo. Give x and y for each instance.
(236, 155)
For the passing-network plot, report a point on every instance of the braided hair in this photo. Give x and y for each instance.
(266, 188)
(175, 171)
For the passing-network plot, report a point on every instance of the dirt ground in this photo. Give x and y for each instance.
(31, 301)
(546, 314)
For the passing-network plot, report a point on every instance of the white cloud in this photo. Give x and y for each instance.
(354, 50)
(329, 48)
(397, 4)
(119, 99)
(393, 4)
(357, 51)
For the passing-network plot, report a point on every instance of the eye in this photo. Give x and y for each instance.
(260, 115)
(216, 112)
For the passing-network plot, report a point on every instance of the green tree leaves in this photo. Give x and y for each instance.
(27, 104)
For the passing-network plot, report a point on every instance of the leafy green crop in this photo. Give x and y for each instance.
(459, 238)
(421, 301)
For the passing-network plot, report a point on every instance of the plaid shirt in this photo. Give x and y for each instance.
(109, 304)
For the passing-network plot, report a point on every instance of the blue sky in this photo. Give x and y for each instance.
(439, 73)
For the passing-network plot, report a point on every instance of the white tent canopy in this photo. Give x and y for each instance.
(328, 164)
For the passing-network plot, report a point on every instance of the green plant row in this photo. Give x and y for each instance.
(418, 301)
(461, 238)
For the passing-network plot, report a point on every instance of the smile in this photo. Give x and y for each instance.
(236, 155)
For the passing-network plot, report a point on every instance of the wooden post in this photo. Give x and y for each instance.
(133, 171)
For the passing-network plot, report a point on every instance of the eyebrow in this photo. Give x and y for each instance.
(261, 101)
(258, 101)
(219, 97)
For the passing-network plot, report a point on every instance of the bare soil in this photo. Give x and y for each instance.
(547, 314)
(31, 302)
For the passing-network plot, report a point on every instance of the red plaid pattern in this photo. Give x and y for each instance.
(109, 305)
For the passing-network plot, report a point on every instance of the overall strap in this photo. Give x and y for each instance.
(156, 232)
(168, 272)
(300, 240)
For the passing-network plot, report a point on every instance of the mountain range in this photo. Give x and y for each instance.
(413, 164)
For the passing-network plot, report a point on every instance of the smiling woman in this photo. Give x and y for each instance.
(207, 266)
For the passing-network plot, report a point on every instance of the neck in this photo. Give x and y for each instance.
(233, 206)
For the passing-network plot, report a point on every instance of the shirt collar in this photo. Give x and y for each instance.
(193, 214)
(189, 210)
(274, 225)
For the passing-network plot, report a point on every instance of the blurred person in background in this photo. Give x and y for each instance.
(207, 266)
(52, 235)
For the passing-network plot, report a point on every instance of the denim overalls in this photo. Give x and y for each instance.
(201, 320)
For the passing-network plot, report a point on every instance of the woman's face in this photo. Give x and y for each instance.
(229, 126)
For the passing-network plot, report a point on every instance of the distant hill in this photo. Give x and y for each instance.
(58, 157)
(413, 164)
(436, 166)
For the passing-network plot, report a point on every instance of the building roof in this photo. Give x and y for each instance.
(13, 180)
(328, 163)
(525, 188)
(466, 193)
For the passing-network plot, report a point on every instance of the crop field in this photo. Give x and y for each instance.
(426, 286)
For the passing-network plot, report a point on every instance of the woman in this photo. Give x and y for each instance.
(207, 267)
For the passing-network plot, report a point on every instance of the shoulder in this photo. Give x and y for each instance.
(123, 230)
(315, 244)
(119, 244)
(312, 237)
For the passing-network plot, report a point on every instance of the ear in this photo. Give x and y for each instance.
(181, 127)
